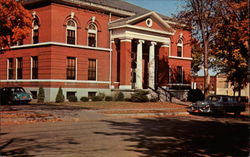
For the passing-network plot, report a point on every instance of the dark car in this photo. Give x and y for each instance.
(218, 104)
(14, 95)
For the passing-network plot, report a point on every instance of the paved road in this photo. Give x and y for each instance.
(91, 134)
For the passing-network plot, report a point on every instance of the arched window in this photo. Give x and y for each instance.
(71, 32)
(35, 31)
(92, 35)
(180, 48)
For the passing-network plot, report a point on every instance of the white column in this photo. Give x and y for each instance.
(138, 84)
(151, 68)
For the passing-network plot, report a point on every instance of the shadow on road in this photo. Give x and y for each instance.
(163, 137)
(23, 147)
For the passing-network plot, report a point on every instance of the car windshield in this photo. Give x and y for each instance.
(213, 98)
(18, 89)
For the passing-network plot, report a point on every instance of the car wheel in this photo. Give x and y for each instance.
(9, 102)
(237, 113)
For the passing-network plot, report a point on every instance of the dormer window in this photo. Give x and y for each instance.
(35, 31)
(92, 35)
(71, 32)
(180, 48)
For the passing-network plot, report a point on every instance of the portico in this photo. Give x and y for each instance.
(136, 50)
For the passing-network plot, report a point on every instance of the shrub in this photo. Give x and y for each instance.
(41, 95)
(108, 98)
(84, 99)
(139, 96)
(60, 97)
(119, 96)
(97, 98)
(127, 99)
(102, 95)
(195, 95)
(72, 98)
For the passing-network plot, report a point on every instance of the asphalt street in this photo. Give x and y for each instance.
(88, 133)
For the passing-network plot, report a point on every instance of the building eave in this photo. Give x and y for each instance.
(80, 4)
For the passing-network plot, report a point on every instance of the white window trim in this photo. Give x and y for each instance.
(34, 28)
(96, 71)
(71, 28)
(94, 32)
(31, 67)
(181, 45)
(75, 66)
(76, 69)
(16, 69)
(8, 65)
(182, 74)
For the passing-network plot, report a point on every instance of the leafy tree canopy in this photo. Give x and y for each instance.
(15, 22)
(231, 44)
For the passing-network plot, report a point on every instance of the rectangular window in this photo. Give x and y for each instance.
(35, 36)
(92, 69)
(71, 37)
(92, 40)
(179, 51)
(19, 68)
(91, 94)
(179, 74)
(71, 68)
(34, 67)
(69, 94)
(10, 68)
(34, 94)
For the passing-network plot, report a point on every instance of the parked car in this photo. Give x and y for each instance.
(218, 104)
(14, 95)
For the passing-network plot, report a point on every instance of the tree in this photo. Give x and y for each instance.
(200, 16)
(41, 95)
(60, 97)
(231, 45)
(15, 23)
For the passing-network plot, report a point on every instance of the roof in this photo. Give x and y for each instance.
(118, 4)
(114, 4)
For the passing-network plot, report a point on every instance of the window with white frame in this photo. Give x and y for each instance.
(179, 74)
(19, 68)
(71, 32)
(34, 67)
(71, 68)
(180, 48)
(10, 68)
(92, 35)
(35, 31)
(92, 69)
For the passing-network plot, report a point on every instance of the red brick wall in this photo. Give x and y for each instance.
(61, 13)
(44, 16)
(186, 43)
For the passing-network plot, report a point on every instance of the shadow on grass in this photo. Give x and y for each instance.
(163, 137)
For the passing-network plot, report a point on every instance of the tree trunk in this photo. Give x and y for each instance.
(206, 74)
(239, 89)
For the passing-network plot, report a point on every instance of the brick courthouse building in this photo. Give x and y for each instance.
(92, 46)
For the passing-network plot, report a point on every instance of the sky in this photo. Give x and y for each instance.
(165, 7)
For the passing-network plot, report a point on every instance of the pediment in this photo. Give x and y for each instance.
(147, 21)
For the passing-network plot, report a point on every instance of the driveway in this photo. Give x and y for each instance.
(73, 131)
